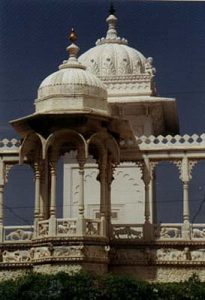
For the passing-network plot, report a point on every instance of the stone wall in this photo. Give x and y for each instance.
(160, 273)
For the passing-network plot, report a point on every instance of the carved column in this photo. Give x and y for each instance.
(152, 198)
(102, 177)
(146, 177)
(185, 178)
(37, 197)
(52, 221)
(1, 203)
(53, 189)
(43, 206)
(1, 211)
(185, 201)
(109, 179)
(37, 191)
(81, 208)
(3, 178)
(81, 193)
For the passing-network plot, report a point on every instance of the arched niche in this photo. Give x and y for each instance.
(127, 195)
(197, 193)
(19, 195)
(168, 193)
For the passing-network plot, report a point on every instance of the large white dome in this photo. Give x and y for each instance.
(124, 70)
(108, 59)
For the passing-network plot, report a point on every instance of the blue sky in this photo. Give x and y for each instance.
(33, 38)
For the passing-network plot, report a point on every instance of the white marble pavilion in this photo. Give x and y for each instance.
(101, 114)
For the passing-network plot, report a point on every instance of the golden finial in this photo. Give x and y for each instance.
(73, 36)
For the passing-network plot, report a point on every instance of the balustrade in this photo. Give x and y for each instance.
(127, 231)
(184, 151)
(18, 233)
(168, 231)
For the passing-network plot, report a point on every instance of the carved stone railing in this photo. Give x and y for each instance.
(168, 231)
(127, 231)
(92, 227)
(198, 231)
(66, 227)
(12, 144)
(166, 142)
(43, 229)
(18, 233)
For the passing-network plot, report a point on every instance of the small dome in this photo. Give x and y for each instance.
(71, 82)
(72, 87)
(122, 68)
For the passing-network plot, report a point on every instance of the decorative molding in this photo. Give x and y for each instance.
(166, 142)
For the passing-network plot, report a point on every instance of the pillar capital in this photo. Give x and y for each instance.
(36, 169)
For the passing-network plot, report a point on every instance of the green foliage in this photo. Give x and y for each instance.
(192, 289)
(84, 286)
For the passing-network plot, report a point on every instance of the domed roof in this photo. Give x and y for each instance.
(113, 61)
(112, 55)
(72, 82)
(108, 59)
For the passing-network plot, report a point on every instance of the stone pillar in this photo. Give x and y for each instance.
(43, 186)
(2, 182)
(1, 212)
(52, 220)
(185, 201)
(146, 177)
(186, 229)
(103, 205)
(152, 199)
(81, 208)
(37, 198)
(108, 181)
(37, 192)
(185, 178)
(53, 189)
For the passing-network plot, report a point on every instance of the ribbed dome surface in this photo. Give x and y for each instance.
(70, 81)
(124, 70)
(113, 59)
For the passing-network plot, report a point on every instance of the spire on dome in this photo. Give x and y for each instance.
(111, 36)
(112, 9)
(73, 50)
(112, 21)
(73, 36)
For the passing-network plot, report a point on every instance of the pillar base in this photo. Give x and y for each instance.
(186, 230)
(80, 230)
(103, 226)
(148, 231)
(52, 226)
(1, 233)
(35, 231)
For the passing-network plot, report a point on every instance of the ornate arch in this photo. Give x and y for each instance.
(32, 146)
(105, 141)
(67, 138)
